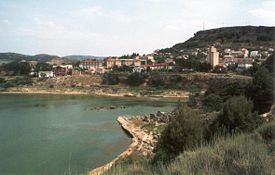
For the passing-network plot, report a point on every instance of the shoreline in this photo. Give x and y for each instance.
(92, 94)
(130, 129)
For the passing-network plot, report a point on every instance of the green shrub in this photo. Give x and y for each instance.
(110, 79)
(8, 84)
(267, 133)
(212, 102)
(183, 132)
(236, 116)
(233, 89)
(23, 81)
(136, 79)
(19, 68)
(240, 155)
(261, 90)
(2, 80)
(158, 81)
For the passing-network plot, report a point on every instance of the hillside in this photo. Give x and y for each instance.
(9, 57)
(14, 56)
(233, 37)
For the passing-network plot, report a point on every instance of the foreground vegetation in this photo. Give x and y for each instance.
(226, 135)
(238, 154)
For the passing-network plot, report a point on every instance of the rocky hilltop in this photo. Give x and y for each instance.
(238, 37)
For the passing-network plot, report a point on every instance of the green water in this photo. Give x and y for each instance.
(48, 135)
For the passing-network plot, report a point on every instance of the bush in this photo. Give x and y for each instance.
(236, 116)
(136, 79)
(183, 132)
(19, 68)
(157, 81)
(212, 102)
(8, 84)
(2, 80)
(219, 70)
(110, 79)
(240, 155)
(233, 89)
(267, 133)
(204, 67)
(261, 90)
(23, 81)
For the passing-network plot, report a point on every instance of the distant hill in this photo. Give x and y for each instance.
(14, 56)
(242, 36)
(44, 57)
(82, 57)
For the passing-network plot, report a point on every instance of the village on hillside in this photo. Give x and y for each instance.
(220, 61)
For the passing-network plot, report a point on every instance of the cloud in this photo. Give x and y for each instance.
(264, 11)
(6, 21)
(97, 12)
(119, 27)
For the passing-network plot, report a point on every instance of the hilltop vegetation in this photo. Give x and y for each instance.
(228, 37)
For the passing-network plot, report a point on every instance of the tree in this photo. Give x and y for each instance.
(183, 132)
(204, 67)
(269, 64)
(43, 67)
(261, 90)
(19, 68)
(136, 79)
(188, 63)
(233, 89)
(123, 68)
(236, 116)
(212, 102)
(110, 79)
(2, 80)
(219, 70)
(160, 59)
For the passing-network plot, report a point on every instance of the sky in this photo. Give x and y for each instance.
(118, 27)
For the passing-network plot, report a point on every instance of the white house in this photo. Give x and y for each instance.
(255, 54)
(45, 74)
(245, 63)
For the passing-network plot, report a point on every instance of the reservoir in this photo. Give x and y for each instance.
(55, 134)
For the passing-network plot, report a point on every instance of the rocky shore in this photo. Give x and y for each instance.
(144, 140)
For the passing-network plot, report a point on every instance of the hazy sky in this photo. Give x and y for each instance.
(116, 27)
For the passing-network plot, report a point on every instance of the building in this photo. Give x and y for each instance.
(45, 74)
(113, 61)
(245, 63)
(213, 57)
(245, 53)
(127, 62)
(62, 70)
(88, 64)
(159, 66)
(255, 54)
(229, 60)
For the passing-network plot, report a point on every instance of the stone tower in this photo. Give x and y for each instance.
(213, 57)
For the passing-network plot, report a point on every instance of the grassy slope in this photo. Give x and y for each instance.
(242, 154)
